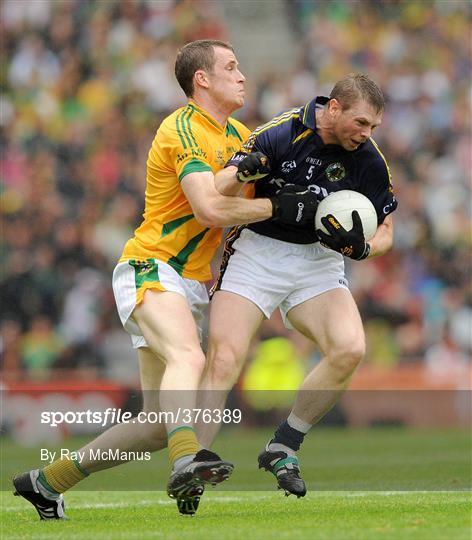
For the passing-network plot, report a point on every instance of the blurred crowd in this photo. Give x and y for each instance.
(84, 86)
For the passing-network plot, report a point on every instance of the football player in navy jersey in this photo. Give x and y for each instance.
(324, 146)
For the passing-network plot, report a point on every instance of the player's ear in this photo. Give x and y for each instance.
(334, 107)
(201, 78)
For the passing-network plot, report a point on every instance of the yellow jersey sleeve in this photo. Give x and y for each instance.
(180, 146)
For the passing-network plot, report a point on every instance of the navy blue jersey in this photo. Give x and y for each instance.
(297, 155)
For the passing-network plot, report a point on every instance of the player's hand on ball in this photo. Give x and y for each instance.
(253, 167)
(350, 243)
(294, 205)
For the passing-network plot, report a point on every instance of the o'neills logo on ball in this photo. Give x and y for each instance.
(335, 172)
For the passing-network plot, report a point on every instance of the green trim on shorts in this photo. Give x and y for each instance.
(144, 271)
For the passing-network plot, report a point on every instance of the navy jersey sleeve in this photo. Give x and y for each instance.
(377, 186)
(260, 140)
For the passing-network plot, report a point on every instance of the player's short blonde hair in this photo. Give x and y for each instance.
(194, 56)
(357, 86)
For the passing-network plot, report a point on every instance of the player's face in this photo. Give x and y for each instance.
(226, 82)
(353, 126)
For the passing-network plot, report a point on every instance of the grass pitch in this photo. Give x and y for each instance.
(369, 484)
(251, 515)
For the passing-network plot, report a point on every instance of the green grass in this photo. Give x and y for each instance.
(251, 515)
(387, 483)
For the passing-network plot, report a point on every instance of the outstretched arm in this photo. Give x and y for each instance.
(211, 209)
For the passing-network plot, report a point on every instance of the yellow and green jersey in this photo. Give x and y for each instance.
(187, 141)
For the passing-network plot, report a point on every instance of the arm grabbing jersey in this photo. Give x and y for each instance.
(298, 155)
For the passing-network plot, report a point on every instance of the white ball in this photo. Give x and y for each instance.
(341, 204)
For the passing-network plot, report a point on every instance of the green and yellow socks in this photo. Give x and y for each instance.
(183, 445)
(60, 476)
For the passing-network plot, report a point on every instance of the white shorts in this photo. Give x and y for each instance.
(132, 279)
(272, 273)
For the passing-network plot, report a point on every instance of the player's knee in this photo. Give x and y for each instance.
(224, 366)
(191, 359)
(196, 362)
(347, 356)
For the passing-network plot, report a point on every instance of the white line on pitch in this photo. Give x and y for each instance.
(217, 498)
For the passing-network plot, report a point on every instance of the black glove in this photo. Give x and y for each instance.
(294, 205)
(253, 167)
(351, 243)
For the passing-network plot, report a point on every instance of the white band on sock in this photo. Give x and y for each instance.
(298, 424)
(182, 462)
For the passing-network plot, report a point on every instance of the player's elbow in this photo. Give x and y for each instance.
(208, 218)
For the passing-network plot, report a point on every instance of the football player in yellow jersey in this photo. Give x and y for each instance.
(159, 280)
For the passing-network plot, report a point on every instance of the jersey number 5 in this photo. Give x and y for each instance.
(310, 172)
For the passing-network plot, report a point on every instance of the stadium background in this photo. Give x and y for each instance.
(84, 85)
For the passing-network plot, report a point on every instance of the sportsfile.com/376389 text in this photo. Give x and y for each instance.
(112, 416)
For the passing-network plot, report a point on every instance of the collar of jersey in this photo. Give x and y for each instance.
(205, 115)
(307, 113)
